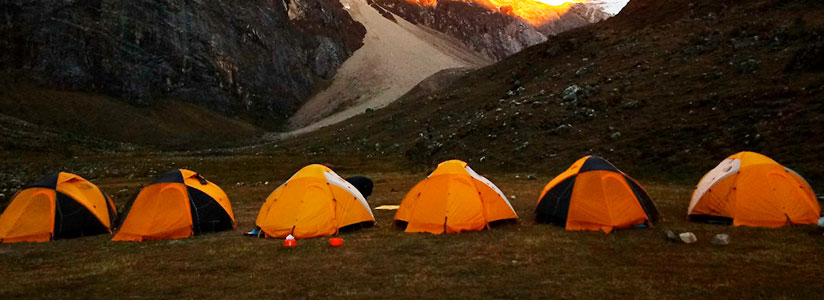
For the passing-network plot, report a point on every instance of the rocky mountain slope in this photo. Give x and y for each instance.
(612, 7)
(256, 58)
(579, 14)
(395, 57)
(496, 28)
(664, 88)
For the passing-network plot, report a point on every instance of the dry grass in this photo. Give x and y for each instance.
(526, 260)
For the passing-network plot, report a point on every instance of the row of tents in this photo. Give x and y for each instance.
(746, 189)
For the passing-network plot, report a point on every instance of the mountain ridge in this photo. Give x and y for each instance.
(664, 88)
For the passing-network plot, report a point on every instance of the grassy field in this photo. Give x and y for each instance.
(526, 260)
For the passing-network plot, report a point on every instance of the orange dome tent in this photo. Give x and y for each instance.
(58, 206)
(750, 189)
(594, 195)
(313, 202)
(453, 199)
(177, 205)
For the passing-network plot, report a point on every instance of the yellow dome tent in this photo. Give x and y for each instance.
(177, 205)
(594, 195)
(750, 189)
(58, 206)
(453, 199)
(313, 202)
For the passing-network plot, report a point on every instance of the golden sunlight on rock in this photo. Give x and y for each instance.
(536, 13)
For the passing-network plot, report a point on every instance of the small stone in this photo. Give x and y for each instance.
(573, 93)
(531, 176)
(629, 104)
(581, 71)
(721, 239)
(688, 237)
(512, 197)
(748, 66)
(615, 135)
(671, 236)
(562, 128)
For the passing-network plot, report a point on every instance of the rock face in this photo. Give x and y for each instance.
(491, 33)
(579, 14)
(257, 58)
(495, 33)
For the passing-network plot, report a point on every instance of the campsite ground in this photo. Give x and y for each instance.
(526, 260)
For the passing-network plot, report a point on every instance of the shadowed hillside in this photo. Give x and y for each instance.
(34, 119)
(664, 88)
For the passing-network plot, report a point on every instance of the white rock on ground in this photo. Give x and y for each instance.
(721, 239)
(688, 237)
(672, 236)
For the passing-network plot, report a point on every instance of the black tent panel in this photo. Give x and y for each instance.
(48, 181)
(554, 206)
(595, 163)
(207, 214)
(356, 226)
(72, 219)
(121, 216)
(401, 224)
(173, 176)
(711, 219)
(110, 206)
(643, 199)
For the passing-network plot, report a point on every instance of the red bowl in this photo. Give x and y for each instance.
(289, 243)
(335, 242)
